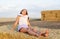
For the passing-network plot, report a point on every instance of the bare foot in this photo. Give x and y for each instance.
(46, 33)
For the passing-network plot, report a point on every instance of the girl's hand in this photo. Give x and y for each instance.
(11, 30)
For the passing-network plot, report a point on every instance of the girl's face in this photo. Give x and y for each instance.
(24, 12)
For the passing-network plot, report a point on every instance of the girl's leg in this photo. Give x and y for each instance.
(29, 31)
(32, 32)
(34, 29)
(46, 33)
(23, 30)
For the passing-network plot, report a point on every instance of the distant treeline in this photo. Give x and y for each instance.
(35, 19)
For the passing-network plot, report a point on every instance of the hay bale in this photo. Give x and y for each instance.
(52, 15)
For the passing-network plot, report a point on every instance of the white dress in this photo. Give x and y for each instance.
(23, 22)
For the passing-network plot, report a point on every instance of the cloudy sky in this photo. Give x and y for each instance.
(11, 8)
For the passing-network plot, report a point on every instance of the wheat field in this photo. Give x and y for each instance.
(54, 30)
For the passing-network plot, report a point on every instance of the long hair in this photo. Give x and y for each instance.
(23, 10)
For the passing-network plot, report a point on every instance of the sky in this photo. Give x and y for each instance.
(12, 8)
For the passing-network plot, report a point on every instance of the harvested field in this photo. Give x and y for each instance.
(53, 26)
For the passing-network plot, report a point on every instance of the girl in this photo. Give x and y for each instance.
(24, 25)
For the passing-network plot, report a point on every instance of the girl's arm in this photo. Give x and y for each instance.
(29, 24)
(16, 22)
